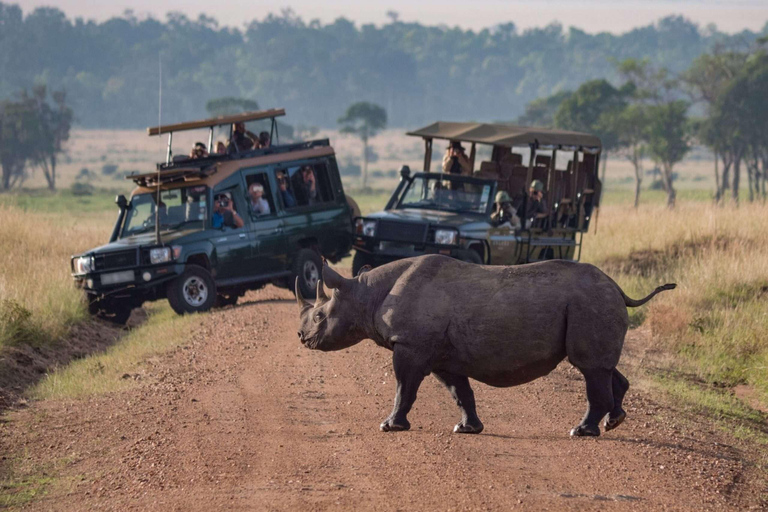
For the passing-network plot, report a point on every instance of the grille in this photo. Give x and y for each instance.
(118, 259)
(402, 232)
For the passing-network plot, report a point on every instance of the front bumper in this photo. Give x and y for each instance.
(127, 282)
(397, 250)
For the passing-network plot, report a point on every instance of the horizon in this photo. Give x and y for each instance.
(729, 17)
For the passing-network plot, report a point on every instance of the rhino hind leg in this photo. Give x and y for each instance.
(600, 399)
(462, 394)
(409, 373)
(617, 415)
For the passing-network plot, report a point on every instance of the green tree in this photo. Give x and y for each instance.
(668, 140)
(632, 127)
(593, 108)
(541, 111)
(52, 129)
(364, 120)
(705, 81)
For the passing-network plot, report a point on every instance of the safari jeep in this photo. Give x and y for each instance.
(190, 251)
(438, 212)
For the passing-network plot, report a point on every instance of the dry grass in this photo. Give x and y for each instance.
(37, 298)
(717, 317)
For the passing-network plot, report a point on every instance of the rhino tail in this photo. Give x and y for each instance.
(632, 303)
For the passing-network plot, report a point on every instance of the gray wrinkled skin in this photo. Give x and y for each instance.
(503, 326)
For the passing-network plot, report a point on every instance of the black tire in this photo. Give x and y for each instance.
(360, 260)
(308, 267)
(194, 291)
(470, 256)
(115, 312)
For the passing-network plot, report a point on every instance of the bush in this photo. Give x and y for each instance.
(108, 169)
(15, 323)
(81, 189)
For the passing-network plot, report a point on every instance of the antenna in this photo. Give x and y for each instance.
(160, 124)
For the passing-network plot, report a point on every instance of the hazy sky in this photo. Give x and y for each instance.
(589, 15)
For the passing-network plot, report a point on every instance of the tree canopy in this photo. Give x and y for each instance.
(417, 73)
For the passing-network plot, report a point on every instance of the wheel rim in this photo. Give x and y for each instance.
(195, 291)
(311, 274)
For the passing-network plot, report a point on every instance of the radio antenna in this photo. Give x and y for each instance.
(160, 126)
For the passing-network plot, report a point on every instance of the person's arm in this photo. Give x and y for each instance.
(466, 166)
(237, 220)
(447, 162)
(265, 207)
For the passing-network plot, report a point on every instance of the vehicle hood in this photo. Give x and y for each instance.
(142, 240)
(431, 216)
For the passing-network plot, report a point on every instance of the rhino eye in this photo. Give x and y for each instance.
(318, 316)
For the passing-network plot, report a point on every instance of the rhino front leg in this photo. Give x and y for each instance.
(462, 393)
(410, 370)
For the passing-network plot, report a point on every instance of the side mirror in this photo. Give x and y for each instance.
(405, 172)
(121, 201)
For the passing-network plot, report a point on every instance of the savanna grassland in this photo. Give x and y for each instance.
(715, 323)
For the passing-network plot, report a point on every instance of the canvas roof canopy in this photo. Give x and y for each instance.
(217, 121)
(508, 135)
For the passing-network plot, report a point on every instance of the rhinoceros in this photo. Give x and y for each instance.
(503, 326)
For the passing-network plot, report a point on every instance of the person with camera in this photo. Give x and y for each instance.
(224, 214)
(242, 139)
(503, 212)
(199, 151)
(456, 161)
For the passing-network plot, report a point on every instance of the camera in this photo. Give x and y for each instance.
(224, 202)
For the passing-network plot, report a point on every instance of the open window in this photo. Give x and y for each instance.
(227, 209)
(310, 184)
(260, 201)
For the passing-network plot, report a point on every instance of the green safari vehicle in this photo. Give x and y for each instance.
(202, 230)
(444, 212)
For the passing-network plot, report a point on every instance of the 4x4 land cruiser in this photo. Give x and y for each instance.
(198, 256)
(440, 212)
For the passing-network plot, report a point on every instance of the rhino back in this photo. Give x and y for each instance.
(499, 325)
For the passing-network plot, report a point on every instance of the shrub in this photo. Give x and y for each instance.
(108, 169)
(81, 189)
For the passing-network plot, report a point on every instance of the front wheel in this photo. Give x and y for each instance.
(192, 292)
(308, 268)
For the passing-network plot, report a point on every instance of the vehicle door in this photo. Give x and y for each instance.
(232, 246)
(320, 211)
(266, 232)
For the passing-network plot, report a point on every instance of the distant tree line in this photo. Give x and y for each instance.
(649, 115)
(418, 73)
(33, 130)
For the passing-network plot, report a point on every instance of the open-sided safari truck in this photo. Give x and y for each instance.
(438, 212)
(226, 223)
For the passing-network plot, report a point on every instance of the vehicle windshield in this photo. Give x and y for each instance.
(444, 193)
(180, 208)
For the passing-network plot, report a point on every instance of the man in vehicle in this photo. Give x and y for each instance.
(259, 205)
(264, 140)
(307, 186)
(456, 161)
(504, 212)
(242, 139)
(199, 151)
(224, 214)
(536, 204)
(282, 183)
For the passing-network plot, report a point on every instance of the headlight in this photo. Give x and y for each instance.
(159, 255)
(365, 227)
(446, 237)
(83, 265)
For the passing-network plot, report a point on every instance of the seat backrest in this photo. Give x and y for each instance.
(488, 169)
(543, 160)
(516, 180)
(560, 186)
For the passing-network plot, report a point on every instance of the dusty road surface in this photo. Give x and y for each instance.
(243, 418)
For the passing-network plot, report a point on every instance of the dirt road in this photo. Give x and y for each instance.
(243, 418)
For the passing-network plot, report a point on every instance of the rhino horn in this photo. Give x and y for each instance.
(333, 280)
(303, 303)
(321, 296)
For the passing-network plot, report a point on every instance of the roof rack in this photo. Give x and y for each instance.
(217, 121)
(163, 177)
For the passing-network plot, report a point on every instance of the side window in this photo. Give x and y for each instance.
(226, 214)
(310, 184)
(285, 189)
(260, 201)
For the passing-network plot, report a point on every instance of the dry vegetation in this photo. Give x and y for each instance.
(37, 299)
(717, 318)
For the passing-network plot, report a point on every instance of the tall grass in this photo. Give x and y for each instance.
(38, 301)
(717, 317)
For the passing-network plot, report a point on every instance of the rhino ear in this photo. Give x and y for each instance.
(333, 280)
